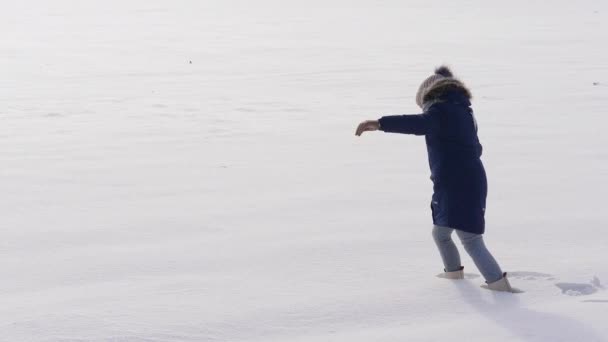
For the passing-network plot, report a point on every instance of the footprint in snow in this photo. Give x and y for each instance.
(581, 289)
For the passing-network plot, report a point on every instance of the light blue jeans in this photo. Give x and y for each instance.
(475, 247)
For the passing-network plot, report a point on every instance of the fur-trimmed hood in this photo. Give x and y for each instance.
(438, 84)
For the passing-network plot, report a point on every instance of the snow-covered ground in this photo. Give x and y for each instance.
(188, 170)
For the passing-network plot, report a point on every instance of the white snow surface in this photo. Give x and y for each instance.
(188, 171)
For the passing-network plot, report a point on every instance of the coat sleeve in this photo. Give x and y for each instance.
(418, 124)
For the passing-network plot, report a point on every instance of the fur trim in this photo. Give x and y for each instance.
(444, 71)
(442, 86)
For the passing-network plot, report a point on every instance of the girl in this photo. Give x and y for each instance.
(458, 175)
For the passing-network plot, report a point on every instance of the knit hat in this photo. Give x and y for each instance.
(442, 77)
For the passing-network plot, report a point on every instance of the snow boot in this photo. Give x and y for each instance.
(501, 285)
(452, 275)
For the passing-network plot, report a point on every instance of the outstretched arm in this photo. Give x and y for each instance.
(418, 124)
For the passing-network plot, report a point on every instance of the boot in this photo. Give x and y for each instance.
(452, 275)
(502, 285)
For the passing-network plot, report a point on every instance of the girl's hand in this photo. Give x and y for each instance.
(367, 126)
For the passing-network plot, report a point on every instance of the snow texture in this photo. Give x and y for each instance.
(188, 171)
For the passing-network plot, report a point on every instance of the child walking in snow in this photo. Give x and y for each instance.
(459, 179)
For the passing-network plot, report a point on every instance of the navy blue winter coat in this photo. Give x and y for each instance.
(458, 175)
